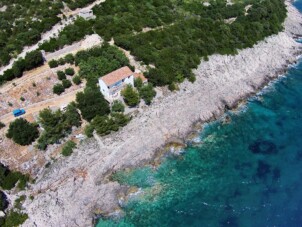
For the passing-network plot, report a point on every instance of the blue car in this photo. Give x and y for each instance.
(18, 112)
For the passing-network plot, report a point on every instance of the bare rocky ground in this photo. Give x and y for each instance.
(68, 192)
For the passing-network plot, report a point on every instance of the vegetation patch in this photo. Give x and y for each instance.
(8, 179)
(57, 124)
(174, 36)
(22, 132)
(32, 60)
(68, 148)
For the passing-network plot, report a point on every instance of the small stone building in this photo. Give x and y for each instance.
(87, 14)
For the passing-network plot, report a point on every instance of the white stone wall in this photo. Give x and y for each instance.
(103, 88)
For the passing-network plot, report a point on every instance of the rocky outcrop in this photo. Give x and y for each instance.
(73, 188)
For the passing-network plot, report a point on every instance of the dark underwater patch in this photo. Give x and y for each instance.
(229, 221)
(263, 169)
(276, 174)
(263, 147)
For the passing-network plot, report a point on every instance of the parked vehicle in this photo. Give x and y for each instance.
(18, 112)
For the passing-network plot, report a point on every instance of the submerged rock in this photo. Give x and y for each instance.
(263, 147)
(263, 169)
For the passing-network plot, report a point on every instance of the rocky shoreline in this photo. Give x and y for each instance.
(73, 189)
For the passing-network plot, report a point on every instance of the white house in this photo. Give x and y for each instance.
(112, 83)
(87, 14)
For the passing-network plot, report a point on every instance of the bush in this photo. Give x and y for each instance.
(77, 80)
(104, 125)
(69, 71)
(14, 219)
(147, 93)
(9, 179)
(57, 124)
(117, 106)
(22, 99)
(19, 201)
(53, 64)
(61, 61)
(91, 102)
(138, 83)
(89, 130)
(69, 58)
(61, 75)
(131, 96)
(66, 83)
(2, 125)
(173, 86)
(22, 132)
(68, 148)
(58, 89)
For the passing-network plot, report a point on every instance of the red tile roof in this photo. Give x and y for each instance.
(117, 75)
(140, 75)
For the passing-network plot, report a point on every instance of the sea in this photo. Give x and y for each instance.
(244, 169)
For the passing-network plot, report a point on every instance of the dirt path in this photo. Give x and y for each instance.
(37, 107)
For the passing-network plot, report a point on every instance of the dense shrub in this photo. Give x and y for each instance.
(53, 64)
(69, 58)
(18, 27)
(8, 179)
(14, 219)
(61, 75)
(66, 83)
(57, 125)
(68, 148)
(91, 103)
(69, 71)
(147, 93)
(117, 106)
(22, 132)
(32, 59)
(2, 125)
(71, 33)
(104, 125)
(58, 89)
(77, 80)
(131, 96)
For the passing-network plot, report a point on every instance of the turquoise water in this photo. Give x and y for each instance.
(244, 173)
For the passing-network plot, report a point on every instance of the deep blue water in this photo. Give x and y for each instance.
(246, 172)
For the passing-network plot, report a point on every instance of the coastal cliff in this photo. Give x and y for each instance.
(72, 189)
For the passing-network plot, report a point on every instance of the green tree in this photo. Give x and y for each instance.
(130, 95)
(61, 75)
(69, 58)
(117, 106)
(147, 93)
(138, 83)
(22, 132)
(91, 103)
(58, 89)
(77, 80)
(68, 148)
(53, 64)
(73, 118)
(66, 83)
(14, 219)
(69, 71)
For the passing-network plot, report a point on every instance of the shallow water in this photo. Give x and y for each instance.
(244, 173)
